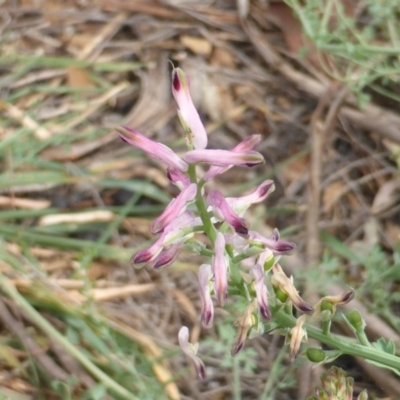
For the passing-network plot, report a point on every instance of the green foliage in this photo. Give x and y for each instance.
(363, 47)
(379, 270)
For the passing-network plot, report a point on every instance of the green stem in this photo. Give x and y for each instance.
(209, 228)
(48, 329)
(347, 346)
(326, 327)
(362, 337)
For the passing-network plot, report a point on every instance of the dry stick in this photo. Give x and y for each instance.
(372, 117)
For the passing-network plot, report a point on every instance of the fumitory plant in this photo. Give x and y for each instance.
(237, 260)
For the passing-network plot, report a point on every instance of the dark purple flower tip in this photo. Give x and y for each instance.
(264, 189)
(207, 318)
(141, 257)
(265, 312)
(348, 296)
(236, 349)
(240, 227)
(284, 247)
(122, 138)
(167, 257)
(175, 80)
(305, 308)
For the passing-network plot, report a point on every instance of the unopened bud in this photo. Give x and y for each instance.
(325, 316)
(363, 395)
(326, 305)
(281, 296)
(315, 355)
(356, 320)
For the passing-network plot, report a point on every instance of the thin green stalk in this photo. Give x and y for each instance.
(326, 327)
(341, 343)
(49, 330)
(209, 228)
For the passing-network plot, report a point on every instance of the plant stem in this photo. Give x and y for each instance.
(48, 329)
(209, 228)
(346, 345)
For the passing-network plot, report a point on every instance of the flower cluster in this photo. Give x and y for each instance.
(237, 259)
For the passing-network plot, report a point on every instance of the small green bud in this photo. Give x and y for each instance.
(326, 305)
(356, 320)
(315, 355)
(280, 295)
(325, 315)
(269, 263)
(363, 395)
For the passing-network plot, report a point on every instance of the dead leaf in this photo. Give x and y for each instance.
(79, 78)
(198, 45)
(387, 197)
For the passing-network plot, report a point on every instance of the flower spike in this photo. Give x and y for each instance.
(187, 111)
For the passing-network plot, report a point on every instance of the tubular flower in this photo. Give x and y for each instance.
(173, 233)
(339, 299)
(167, 257)
(285, 284)
(224, 211)
(297, 335)
(191, 350)
(244, 323)
(224, 158)
(257, 272)
(187, 112)
(220, 270)
(178, 178)
(241, 204)
(154, 149)
(248, 144)
(174, 209)
(274, 243)
(207, 307)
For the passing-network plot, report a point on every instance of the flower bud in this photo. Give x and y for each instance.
(356, 320)
(315, 355)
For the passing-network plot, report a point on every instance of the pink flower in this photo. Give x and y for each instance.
(241, 204)
(174, 209)
(257, 272)
(187, 112)
(178, 178)
(248, 144)
(173, 233)
(207, 307)
(224, 211)
(220, 269)
(191, 350)
(224, 158)
(167, 257)
(277, 246)
(154, 149)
